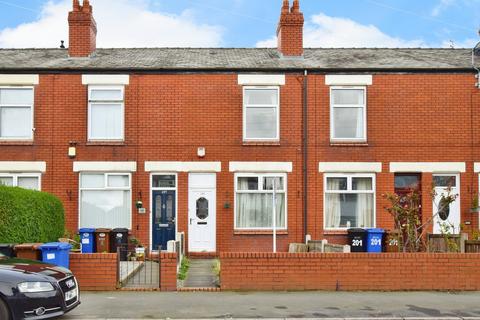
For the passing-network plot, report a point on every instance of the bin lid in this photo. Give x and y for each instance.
(120, 230)
(28, 246)
(375, 230)
(7, 245)
(356, 230)
(56, 245)
(86, 230)
(99, 230)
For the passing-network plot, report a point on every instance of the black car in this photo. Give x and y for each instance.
(33, 290)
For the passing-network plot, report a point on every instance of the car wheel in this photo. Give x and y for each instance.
(4, 314)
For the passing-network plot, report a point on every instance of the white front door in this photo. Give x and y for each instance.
(447, 219)
(202, 207)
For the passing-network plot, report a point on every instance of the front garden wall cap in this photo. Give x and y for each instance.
(121, 230)
(86, 230)
(28, 246)
(56, 245)
(375, 230)
(231, 59)
(98, 230)
(351, 230)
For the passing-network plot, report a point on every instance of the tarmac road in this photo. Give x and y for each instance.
(278, 305)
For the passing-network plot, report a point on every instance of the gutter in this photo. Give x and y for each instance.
(305, 154)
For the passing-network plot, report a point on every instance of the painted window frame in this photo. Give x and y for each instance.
(260, 177)
(246, 88)
(32, 113)
(15, 177)
(363, 106)
(349, 190)
(152, 174)
(96, 102)
(105, 188)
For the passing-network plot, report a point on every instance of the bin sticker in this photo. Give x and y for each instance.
(102, 235)
(119, 235)
(86, 235)
(376, 242)
(85, 241)
(357, 243)
(50, 256)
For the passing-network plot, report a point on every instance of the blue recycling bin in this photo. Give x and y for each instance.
(57, 253)
(87, 240)
(375, 239)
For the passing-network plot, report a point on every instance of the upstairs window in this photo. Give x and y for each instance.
(348, 114)
(261, 114)
(16, 113)
(106, 113)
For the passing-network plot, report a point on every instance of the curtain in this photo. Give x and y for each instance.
(105, 209)
(254, 210)
(364, 203)
(359, 130)
(106, 121)
(333, 210)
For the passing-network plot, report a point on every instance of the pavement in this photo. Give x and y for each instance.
(277, 305)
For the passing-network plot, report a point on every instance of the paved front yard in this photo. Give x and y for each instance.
(154, 305)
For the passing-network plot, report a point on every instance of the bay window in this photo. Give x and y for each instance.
(16, 113)
(348, 114)
(261, 113)
(105, 200)
(349, 201)
(106, 113)
(254, 201)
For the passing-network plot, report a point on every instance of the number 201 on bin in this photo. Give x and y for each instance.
(375, 242)
(357, 243)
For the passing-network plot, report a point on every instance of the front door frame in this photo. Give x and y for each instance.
(458, 191)
(214, 190)
(151, 204)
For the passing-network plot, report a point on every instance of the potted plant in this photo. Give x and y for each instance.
(475, 207)
(139, 249)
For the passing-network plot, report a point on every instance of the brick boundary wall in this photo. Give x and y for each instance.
(95, 271)
(168, 276)
(350, 272)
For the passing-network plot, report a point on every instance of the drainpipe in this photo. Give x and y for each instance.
(305, 154)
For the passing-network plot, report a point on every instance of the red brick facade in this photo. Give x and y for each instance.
(82, 31)
(349, 272)
(417, 116)
(95, 272)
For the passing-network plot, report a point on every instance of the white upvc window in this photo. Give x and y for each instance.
(106, 113)
(348, 114)
(16, 113)
(30, 181)
(254, 201)
(349, 201)
(105, 200)
(261, 113)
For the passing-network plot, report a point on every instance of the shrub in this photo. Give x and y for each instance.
(29, 216)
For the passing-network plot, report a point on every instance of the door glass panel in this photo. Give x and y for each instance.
(202, 208)
(164, 181)
(443, 209)
(170, 216)
(158, 209)
(407, 182)
(445, 181)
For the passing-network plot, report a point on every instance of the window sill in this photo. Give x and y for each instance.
(105, 143)
(335, 232)
(259, 232)
(16, 142)
(262, 143)
(348, 144)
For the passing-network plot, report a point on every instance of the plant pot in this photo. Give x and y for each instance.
(475, 210)
(140, 253)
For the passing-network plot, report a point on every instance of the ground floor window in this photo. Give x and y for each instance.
(105, 200)
(22, 180)
(254, 201)
(349, 201)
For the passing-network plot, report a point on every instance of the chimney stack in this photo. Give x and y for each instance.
(82, 30)
(290, 30)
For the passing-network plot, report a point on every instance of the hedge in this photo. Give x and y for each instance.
(30, 216)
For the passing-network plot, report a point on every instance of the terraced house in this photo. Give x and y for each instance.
(165, 140)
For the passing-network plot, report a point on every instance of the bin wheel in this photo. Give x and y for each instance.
(4, 314)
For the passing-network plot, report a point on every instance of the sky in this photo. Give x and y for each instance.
(246, 23)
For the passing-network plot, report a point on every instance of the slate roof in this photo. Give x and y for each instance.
(236, 59)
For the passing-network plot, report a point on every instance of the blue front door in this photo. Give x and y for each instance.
(163, 219)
